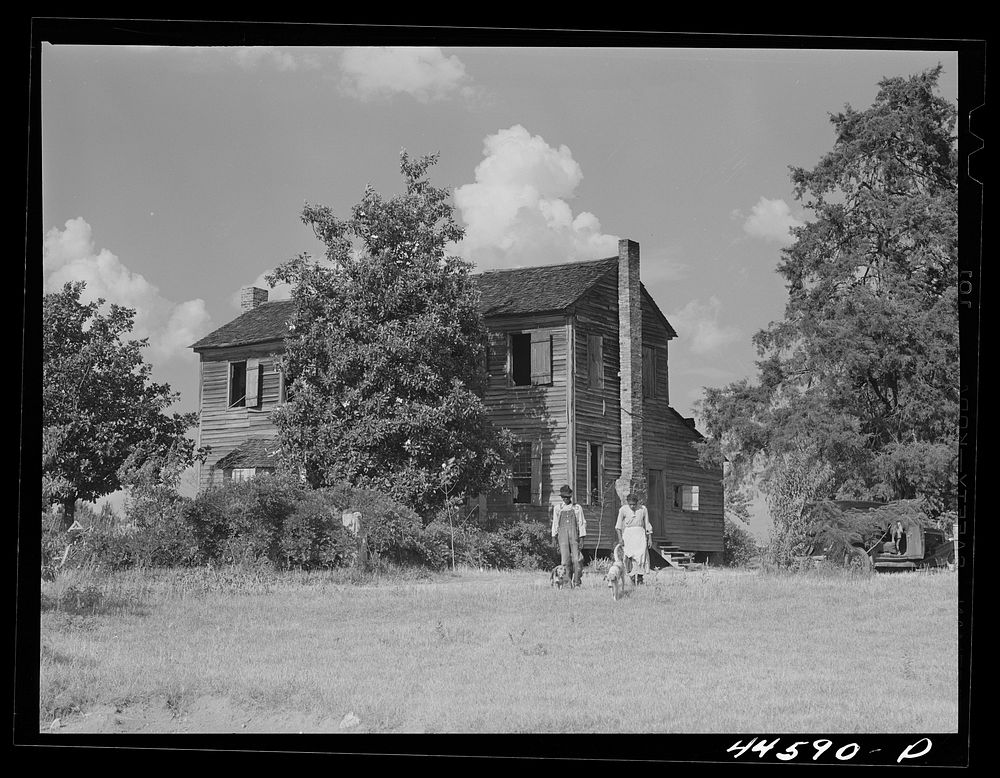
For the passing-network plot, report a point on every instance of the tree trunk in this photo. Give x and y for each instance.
(69, 512)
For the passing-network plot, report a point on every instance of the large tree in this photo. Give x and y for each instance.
(386, 360)
(857, 394)
(101, 414)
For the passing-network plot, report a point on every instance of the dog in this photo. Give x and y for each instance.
(615, 576)
(560, 577)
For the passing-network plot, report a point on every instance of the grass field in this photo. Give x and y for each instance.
(712, 651)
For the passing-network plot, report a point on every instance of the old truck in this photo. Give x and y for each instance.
(882, 536)
(909, 545)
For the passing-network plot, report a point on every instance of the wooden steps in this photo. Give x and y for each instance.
(674, 556)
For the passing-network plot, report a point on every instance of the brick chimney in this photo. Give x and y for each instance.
(630, 360)
(251, 297)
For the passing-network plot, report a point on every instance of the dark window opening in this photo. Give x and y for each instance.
(520, 359)
(594, 468)
(237, 384)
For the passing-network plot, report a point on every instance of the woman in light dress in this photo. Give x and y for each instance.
(635, 533)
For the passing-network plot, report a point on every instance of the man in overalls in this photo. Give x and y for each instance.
(569, 527)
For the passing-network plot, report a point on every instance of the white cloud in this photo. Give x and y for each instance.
(516, 212)
(697, 325)
(421, 71)
(69, 255)
(254, 57)
(771, 220)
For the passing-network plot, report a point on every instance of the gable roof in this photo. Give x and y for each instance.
(545, 289)
(268, 321)
(527, 290)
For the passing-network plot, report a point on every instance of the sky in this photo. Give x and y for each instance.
(174, 176)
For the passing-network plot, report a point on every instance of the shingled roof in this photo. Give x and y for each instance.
(542, 289)
(526, 290)
(253, 452)
(258, 325)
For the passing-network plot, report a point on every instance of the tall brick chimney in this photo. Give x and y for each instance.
(630, 356)
(251, 297)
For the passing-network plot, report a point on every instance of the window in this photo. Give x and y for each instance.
(648, 371)
(595, 473)
(237, 384)
(529, 358)
(520, 359)
(246, 384)
(521, 471)
(595, 361)
(686, 497)
(242, 474)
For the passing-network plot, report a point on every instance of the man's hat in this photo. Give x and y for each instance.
(565, 491)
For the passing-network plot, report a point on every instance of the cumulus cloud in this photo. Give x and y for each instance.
(771, 220)
(255, 57)
(69, 254)
(421, 71)
(697, 325)
(516, 211)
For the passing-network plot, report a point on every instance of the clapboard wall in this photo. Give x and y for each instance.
(224, 428)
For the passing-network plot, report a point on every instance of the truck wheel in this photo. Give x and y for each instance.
(857, 559)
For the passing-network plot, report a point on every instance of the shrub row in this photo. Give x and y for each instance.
(278, 522)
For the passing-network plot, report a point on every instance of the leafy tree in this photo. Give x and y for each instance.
(386, 360)
(99, 408)
(857, 394)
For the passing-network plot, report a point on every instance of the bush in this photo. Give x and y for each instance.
(522, 545)
(738, 545)
(314, 537)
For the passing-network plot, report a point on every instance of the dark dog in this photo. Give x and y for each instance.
(560, 577)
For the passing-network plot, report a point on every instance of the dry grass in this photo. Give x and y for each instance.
(711, 651)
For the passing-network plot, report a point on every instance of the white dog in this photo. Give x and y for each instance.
(615, 576)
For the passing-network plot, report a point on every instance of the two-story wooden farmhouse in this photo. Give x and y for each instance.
(578, 365)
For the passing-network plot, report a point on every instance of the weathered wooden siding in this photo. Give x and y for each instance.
(225, 428)
(656, 432)
(598, 408)
(535, 414)
(699, 530)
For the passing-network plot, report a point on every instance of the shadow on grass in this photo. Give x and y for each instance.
(90, 601)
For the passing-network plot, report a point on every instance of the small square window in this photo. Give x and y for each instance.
(686, 497)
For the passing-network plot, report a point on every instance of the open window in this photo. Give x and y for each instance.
(246, 384)
(529, 358)
(686, 497)
(595, 473)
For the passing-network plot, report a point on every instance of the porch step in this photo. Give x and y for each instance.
(675, 556)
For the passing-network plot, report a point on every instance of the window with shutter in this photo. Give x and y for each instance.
(648, 372)
(254, 383)
(595, 361)
(541, 359)
(686, 497)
